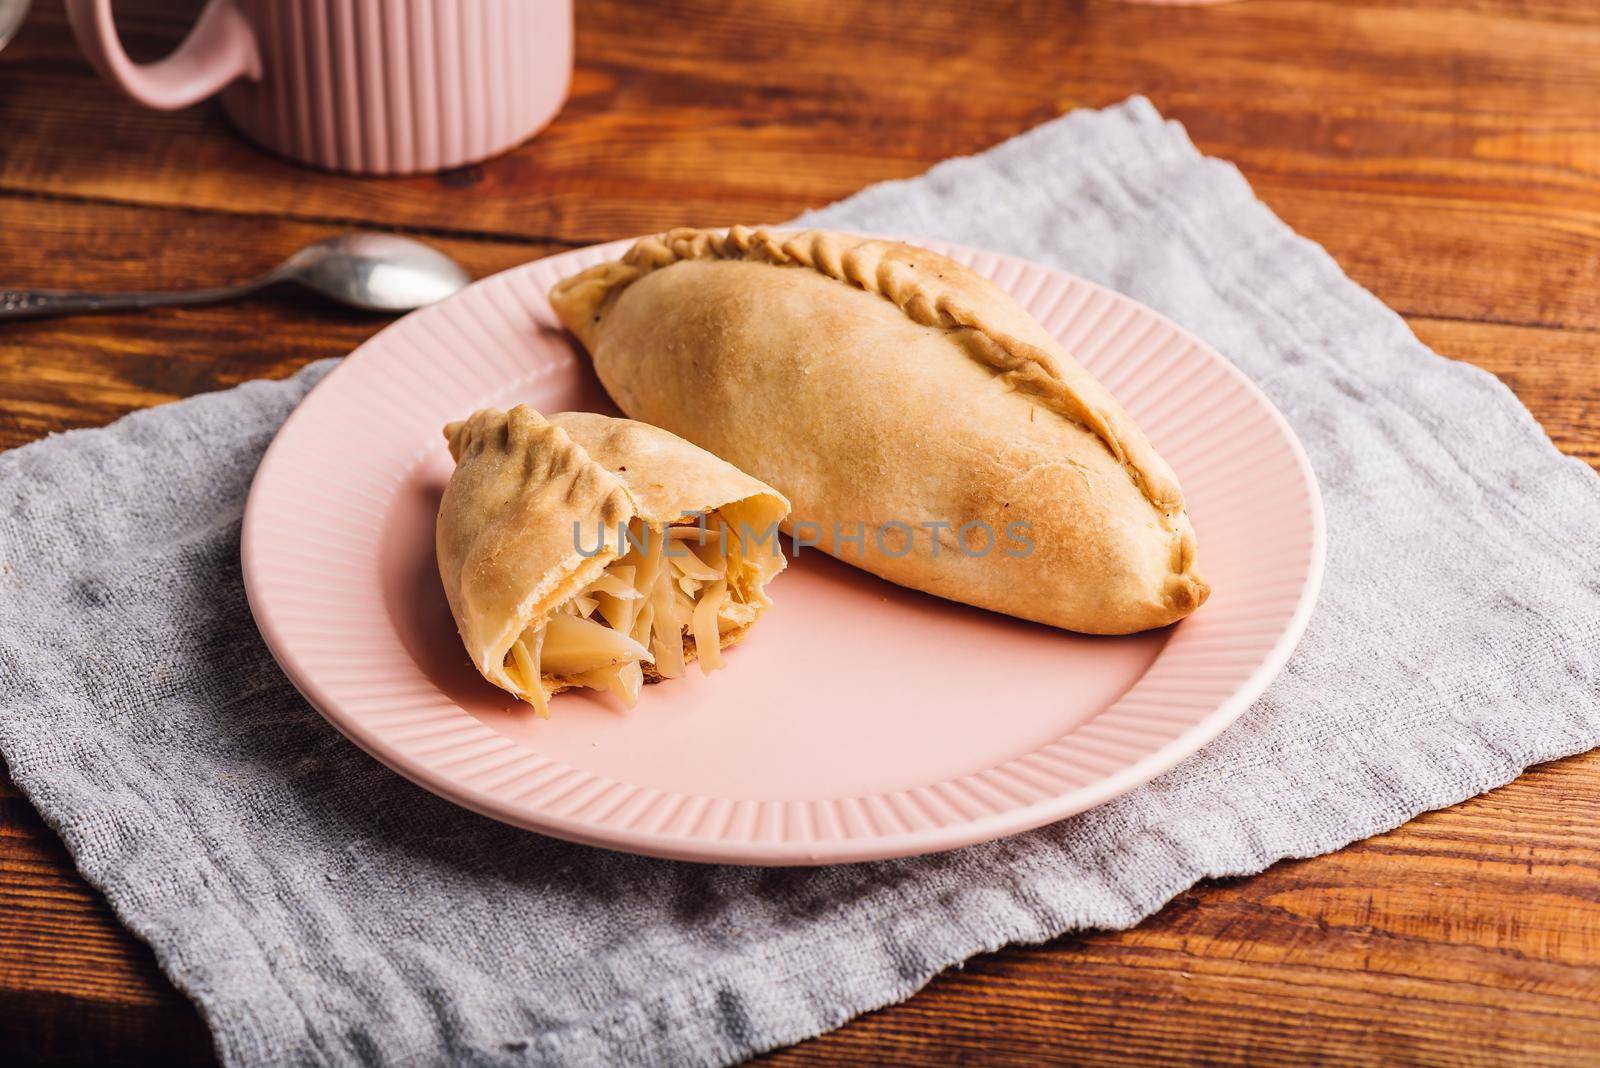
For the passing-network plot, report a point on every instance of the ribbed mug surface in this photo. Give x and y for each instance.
(402, 86)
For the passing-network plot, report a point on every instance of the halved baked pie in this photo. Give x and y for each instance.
(582, 550)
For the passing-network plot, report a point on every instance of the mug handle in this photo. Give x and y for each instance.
(220, 49)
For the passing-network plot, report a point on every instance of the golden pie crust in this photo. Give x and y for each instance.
(875, 383)
(572, 551)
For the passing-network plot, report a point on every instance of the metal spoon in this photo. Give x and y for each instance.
(379, 272)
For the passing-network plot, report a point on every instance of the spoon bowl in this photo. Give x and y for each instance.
(378, 272)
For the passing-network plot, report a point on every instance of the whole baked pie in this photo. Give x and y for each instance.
(924, 426)
(582, 550)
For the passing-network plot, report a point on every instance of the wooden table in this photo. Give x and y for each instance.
(1447, 153)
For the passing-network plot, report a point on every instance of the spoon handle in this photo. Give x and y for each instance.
(34, 303)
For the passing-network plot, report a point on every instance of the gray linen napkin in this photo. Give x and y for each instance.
(322, 910)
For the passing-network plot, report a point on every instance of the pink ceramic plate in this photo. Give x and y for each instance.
(858, 720)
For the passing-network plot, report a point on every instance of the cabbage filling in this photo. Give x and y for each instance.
(667, 594)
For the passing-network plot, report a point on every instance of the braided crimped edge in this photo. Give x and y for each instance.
(1067, 390)
(518, 429)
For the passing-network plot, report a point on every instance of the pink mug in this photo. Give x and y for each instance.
(363, 86)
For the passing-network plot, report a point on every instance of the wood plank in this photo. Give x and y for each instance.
(87, 370)
(57, 374)
(1447, 153)
(1454, 258)
(76, 987)
(1556, 373)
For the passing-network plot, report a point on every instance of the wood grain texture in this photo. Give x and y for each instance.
(1465, 937)
(57, 374)
(1446, 152)
(75, 987)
